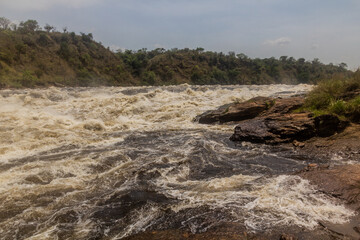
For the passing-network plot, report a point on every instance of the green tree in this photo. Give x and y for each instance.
(29, 26)
(4, 23)
(48, 27)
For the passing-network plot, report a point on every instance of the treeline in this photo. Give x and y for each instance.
(34, 56)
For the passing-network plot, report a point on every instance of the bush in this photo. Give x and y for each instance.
(339, 107)
(28, 80)
(332, 97)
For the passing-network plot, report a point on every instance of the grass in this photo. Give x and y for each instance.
(339, 96)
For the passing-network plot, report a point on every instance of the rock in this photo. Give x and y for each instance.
(350, 94)
(258, 106)
(254, 130)
(287, 237)
(236, 112)
(285, 105)
(289, 127)
(298, 144)
(275, 129)
(273, 121)
(326, 125)
(340, 181)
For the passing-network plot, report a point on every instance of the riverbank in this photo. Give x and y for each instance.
(340, 181)
(328, 138)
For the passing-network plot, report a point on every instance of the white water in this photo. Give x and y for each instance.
(100, 142)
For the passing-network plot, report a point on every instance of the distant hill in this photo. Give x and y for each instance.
(30, 57)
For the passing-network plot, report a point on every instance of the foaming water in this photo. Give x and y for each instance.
(105, 163)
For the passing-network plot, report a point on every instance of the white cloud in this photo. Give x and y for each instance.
(278, 42)
(26, 5)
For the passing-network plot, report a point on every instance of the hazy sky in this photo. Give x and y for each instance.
(324, 29)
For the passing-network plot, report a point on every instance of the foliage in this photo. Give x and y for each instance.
(29, 26)
(340, 96)
(4, 23)
(77, 60)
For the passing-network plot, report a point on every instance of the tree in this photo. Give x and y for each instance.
(65, 29)
(242, 56)
(343, 66)
(48, 28)
(13, 26)
(29, 26)
(4, 23)
(283, 59)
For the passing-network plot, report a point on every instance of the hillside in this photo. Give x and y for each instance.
(30, 57)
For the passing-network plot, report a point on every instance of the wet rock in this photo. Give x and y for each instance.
(357, 229)
(342, 182)
(298, 144)
(327, 125)
(236, 112)
(276, 129)
(287, 237)
(254, 130)
(285, 105)
(273, 121)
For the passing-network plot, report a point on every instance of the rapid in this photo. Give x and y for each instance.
(110, 162)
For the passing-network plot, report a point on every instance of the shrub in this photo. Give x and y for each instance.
(28, 80)
(338, 107)
(332, 97)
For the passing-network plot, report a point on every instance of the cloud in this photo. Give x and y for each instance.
(278, 42)
(314, 46)
(41, 5)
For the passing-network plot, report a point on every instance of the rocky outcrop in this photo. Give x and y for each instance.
(236, 112)
(273, 121)
(252, 108)
(340, 181)
(275, 129)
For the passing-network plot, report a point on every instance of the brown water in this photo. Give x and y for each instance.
(106, 163)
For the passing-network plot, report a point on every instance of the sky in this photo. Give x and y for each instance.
(324, 29)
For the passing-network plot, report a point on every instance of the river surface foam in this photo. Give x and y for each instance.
(109, 162)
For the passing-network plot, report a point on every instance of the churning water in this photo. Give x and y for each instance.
(106, 163)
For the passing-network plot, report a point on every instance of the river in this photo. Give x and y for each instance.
(110, 162)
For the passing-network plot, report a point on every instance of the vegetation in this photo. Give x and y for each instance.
(31, 56)
(339, 95)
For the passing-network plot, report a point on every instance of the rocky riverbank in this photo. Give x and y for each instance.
(277, 121)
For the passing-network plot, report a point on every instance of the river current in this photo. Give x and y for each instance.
(107, 163)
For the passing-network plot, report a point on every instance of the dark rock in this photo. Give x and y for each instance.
(254, 130)
(350, 94)
(275, 129)
(236, 112)
(340, 181)
(258, 106)
(298, 144)
(273, 121)
(287, 237)
(326, 125)
(285, 105)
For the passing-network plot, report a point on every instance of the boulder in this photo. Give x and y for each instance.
(236, 112)
(276, 129)
(258, 106)
(273, 120)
